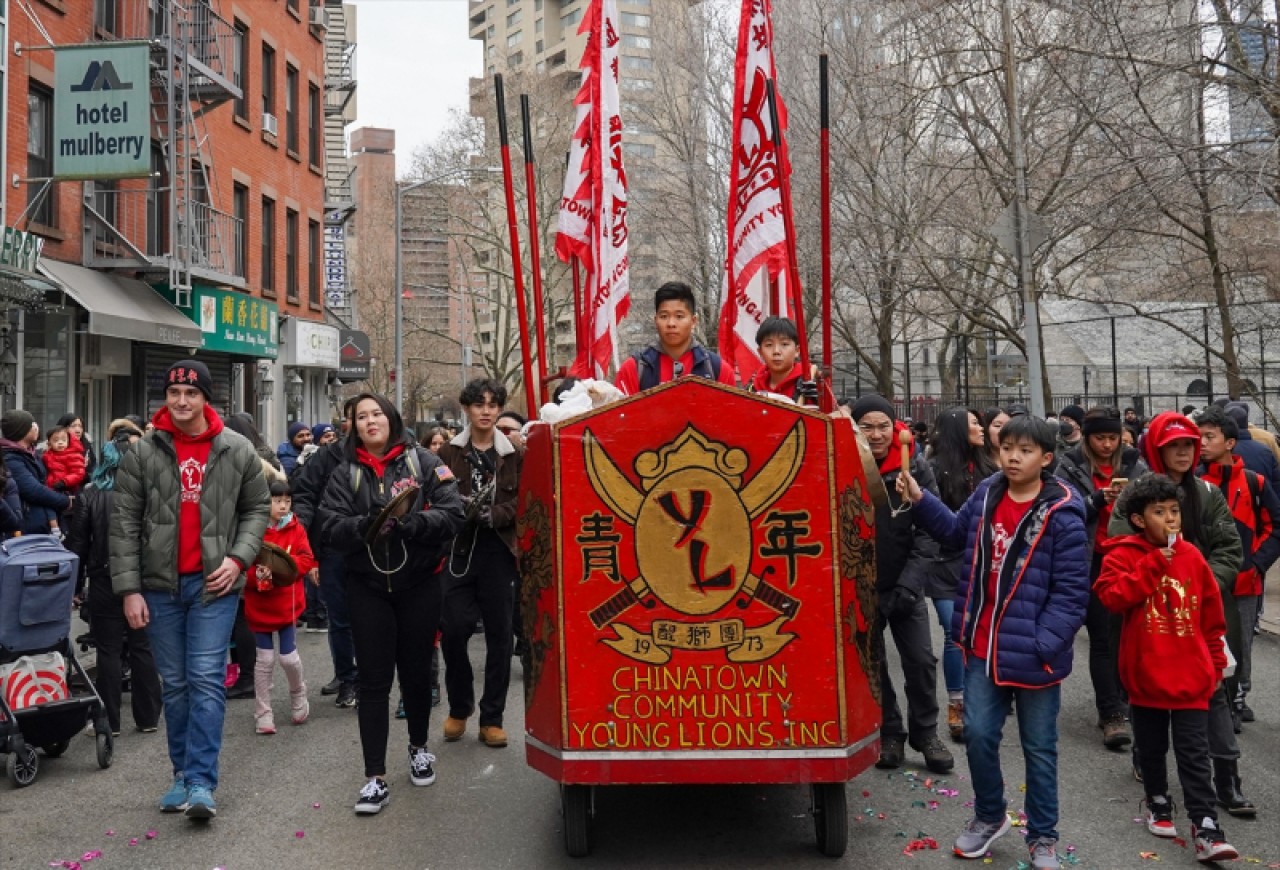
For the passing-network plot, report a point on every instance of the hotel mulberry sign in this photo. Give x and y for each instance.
(101, 123)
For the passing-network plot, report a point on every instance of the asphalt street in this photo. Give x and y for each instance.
(285, 801)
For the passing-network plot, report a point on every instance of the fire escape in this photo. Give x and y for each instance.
(168, 228)
(339, 181)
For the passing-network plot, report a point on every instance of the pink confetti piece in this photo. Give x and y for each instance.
(111, 833)
(881, 816)
(298, 835)
(933, 805)
(133, 841)
(151, 835)
(91, 856)
(315, 806)
(864, 794)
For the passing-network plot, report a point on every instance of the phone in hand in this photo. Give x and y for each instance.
(1119, 483)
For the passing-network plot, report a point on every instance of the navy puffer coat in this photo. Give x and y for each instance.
(1044, 585)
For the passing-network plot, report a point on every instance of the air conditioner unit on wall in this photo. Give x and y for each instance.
(319, 18)
(270, 124)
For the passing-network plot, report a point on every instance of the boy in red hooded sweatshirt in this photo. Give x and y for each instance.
(274, 610)
(1172, 446)
(1172, 611)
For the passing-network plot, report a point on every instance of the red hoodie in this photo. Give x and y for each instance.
(193, 456)
(1172, 640)
(266, 607)
(1166, 427)
(893, 459)
(66, 466)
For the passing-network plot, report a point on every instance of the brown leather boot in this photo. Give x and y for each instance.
(454, 728)
(493, 736)
(955, 719)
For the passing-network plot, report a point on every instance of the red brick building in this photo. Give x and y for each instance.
(219, 250)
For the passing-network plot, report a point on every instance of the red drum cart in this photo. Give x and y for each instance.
(698, 594)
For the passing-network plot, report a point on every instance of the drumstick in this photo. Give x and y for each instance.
(904, 438)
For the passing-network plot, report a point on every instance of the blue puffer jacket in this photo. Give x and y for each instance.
(40, 504)
(1044, 585)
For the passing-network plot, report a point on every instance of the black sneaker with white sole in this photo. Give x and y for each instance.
(373, 797)
(421, 766)
(346, 695)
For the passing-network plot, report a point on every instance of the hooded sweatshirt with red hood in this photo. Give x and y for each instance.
(1213, 531)
(193, 456)
(1171, 643)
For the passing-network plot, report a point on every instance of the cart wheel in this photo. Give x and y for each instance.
(53, 750)
(23, 765)
(831, 818)
(575, 801)
(106, 748)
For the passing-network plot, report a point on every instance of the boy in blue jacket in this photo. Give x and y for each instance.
(1024, 590)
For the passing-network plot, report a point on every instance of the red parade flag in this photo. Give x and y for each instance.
(757, 223)
(592, 225)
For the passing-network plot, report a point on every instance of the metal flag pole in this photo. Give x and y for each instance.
(517, 268)
(535, 251)
(793, 268)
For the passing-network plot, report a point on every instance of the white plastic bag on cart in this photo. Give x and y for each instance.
(34, 680)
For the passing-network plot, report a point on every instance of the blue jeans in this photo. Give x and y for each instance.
(952, 657)
(189, 640)
(986, 707)
(333, 591)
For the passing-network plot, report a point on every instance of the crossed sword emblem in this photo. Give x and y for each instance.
(757, 496)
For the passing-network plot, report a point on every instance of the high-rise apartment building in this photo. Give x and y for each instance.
(538, 43)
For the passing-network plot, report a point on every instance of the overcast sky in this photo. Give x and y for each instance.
(413, 61)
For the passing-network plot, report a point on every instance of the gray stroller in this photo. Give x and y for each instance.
(37, 583)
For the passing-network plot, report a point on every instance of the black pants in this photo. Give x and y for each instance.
(1190, 749)
(393, 631)
(1104, 647)
(911, 635)
(109, 632)
(484, 591)
(245, 651)
(1222, 732)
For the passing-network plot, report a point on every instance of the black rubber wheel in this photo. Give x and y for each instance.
(831, 818)
(575, 801)
(106, 748)
(23, 766)
(53, 750)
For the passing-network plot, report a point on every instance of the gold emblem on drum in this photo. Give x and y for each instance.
(692, 514)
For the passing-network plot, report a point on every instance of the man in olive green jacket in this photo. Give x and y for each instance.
(191, 506)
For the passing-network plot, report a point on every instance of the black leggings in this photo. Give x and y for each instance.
(392, 631)
(109, 633)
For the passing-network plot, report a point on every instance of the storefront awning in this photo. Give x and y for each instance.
(124, 307)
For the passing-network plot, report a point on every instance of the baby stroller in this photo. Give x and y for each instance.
(37, 582)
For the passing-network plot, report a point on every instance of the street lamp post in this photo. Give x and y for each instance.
(401, 190)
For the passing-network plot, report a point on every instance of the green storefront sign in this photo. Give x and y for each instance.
(101, 111)
(232, 322)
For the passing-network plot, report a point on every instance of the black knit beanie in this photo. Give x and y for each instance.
(869, 403)
(190, 372)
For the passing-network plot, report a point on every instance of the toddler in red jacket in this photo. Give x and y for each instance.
(273, 610)
(1172, 654)
(64, 459)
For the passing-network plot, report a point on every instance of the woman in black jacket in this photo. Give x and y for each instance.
(1097, 467)
(960, 460)
(89, 538)
(394, 590)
